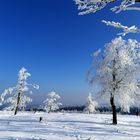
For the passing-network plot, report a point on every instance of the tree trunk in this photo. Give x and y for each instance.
(114, 112)
(18, 101)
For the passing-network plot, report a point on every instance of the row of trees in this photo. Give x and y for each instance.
(16, 98)
(116, 70)
(52, 103)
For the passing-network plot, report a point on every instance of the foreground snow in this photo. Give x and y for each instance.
(73, 126)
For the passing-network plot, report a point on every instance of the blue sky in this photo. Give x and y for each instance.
(55, 44)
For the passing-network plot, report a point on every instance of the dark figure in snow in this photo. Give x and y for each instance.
(40, 119)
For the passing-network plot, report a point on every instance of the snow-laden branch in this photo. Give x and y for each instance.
(125, 5)
(126, 29)
(92, 6)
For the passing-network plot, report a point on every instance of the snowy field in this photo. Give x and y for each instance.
(67, 126)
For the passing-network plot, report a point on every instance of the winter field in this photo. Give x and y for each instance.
(67, 126)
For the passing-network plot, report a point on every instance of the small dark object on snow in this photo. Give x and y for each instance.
(40, 119)
(138, 113)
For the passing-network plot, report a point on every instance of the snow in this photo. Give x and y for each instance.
(67, 126)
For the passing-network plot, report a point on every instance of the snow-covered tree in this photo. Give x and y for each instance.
(15, 97)
(91, 104)
(51, 103)
(92, 6)
(117, 71)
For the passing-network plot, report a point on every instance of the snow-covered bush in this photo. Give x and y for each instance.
(91, 104)
(51, 103)
(117, 71)
(16, 97)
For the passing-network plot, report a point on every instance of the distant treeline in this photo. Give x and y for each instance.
(133, 111)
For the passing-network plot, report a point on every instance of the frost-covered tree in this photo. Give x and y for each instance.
(116, 71)
(16, 97)
(51, 103)
(92, 6)
(91, 104)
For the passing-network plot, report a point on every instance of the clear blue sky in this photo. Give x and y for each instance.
(55, 44)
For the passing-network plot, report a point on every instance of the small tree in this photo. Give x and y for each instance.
(16, 97)
(91, 104)
(116, 72)
(51, 103)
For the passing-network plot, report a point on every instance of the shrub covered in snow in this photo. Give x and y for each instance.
(51, 103)
(91, 104)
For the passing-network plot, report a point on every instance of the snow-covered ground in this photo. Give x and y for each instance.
(67, 126)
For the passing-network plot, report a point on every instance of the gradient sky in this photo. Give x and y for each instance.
(55, 44)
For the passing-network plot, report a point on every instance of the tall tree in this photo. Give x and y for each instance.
(116, 71)
(16, 96)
